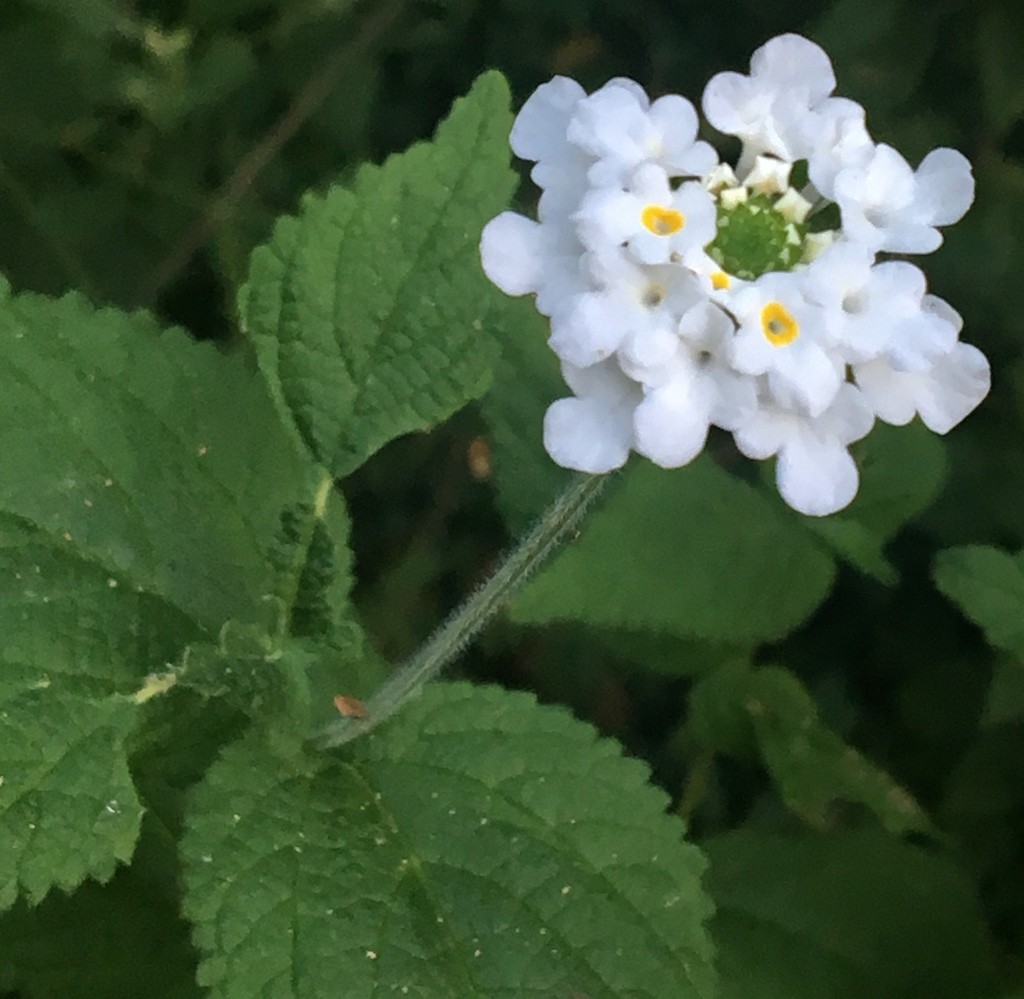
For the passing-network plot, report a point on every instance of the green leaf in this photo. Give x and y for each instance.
(140, 450)
(694, 552)
(902, 471)
(369, 309)
(477, 845)
(144, 482)
(844, 916)
(767, 711)
(988, 585)
(73, 644)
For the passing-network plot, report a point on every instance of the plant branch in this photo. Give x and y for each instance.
(470, 619)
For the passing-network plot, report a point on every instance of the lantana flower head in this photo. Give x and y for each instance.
(685, 293)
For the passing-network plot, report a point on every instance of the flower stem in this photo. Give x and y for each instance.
(467, 621)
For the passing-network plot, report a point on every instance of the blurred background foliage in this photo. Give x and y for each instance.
(146, 146)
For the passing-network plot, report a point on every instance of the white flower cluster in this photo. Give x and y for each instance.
(683, 293)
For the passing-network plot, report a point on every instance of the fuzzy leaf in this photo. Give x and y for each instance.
(72, 646)
(368, 310)
(142, 451)
(143, 484)
(695, 552)
(478, 845)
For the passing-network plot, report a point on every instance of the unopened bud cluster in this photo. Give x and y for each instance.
(684, 293)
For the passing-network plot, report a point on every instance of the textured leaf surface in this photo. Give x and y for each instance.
(368, 309)
(768, 712)
(478, 845)
(694, 552)
(844, 916)
(143, 484)
(988, 585)
(72, 645)
(154, 456)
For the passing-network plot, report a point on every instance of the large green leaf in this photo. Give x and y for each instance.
(844, 916)
(140, 450)
(369, 308)
(144, 490)
(73, 647)
(694, 552)
(477, 845)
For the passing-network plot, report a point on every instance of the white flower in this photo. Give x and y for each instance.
(814, 471)
(878, 309)
(692, 391)
(523, 257)
(943, 394)
(887, 206)
(621, 129)
(633, 308)
(655, 222)
(539, 135)
(789, 75)
(802, 343)
(593, 430)
(784, 336)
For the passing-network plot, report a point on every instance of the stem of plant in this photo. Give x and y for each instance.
(467, 621)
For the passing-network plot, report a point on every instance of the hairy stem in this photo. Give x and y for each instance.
(452, 637)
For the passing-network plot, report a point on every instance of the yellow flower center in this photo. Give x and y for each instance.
(778, 324)
(720, 280)
(662, 221)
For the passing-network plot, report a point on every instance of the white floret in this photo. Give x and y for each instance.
(785, 336)
(814, 471)
(631, 308)
(653, 220)
(621, 130)
(523, 257)
(789, 75)
(876, 310)
(539, 135)
(887, 206)
(592, 431)
(691, 392)
(942, 395)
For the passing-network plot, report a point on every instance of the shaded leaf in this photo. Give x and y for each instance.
(844, 916)
(988, 585)
(695, 552)
(767, 712)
